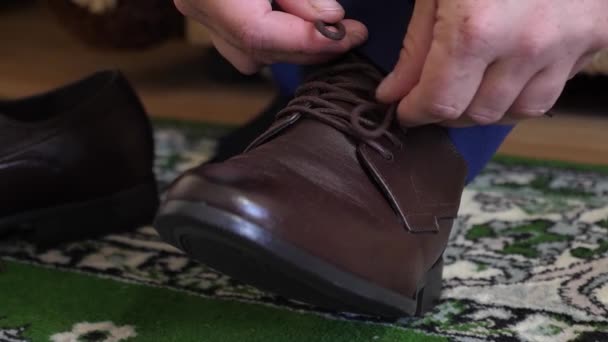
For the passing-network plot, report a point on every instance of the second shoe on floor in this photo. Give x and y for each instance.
(76, 162)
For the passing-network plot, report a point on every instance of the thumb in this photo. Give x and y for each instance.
(240, 60)
(329, 11)
(416, 46)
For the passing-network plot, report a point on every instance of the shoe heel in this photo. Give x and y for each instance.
(126, 210)
(429, 295)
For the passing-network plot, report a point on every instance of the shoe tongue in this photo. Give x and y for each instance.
(348, 84)
(360, 82)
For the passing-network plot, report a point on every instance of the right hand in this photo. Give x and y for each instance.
(249, 34)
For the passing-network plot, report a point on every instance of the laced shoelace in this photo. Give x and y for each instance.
(367, 121)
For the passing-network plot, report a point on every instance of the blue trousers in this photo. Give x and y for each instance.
(387, 22)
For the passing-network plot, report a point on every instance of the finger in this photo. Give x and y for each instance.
(447, 86)
(254, 28)
(416, 46)
(465, 121)
(240, 60)
(228, 13)
(188, 9)
(541, 93)
(581, 64)
(329, 11)
(502, 83)
(249, 62)
(269, 36)
(247, 65)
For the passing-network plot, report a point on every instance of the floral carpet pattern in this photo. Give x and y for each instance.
(527, 261)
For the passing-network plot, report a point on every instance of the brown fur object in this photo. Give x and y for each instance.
(119, 24)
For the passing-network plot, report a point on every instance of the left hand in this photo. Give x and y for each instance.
(250, 34)
(471, 62)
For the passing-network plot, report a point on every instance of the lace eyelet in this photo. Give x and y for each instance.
(388, 157)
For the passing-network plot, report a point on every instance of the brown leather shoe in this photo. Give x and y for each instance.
(334, 205)
(76, 162)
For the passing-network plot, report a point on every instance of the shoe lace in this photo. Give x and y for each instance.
(367, 121)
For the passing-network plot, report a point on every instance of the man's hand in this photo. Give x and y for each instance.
(250, 34)
(467, 62)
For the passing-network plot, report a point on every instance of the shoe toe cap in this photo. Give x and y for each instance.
(235, 190)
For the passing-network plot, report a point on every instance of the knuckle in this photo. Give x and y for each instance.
(529, 109)
(474, 33)
(443, 111)
(485, 117)
(534, 44)
(538, 102)
(530, 48)
(489, 107)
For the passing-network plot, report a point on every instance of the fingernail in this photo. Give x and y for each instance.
(358, 38)
(324, 6)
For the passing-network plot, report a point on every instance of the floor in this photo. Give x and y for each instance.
(173, 80)
(178, 80)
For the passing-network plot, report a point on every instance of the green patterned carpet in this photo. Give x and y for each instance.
(527, 261)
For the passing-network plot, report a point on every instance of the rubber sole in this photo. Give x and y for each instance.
(249, 253)
(123, 211)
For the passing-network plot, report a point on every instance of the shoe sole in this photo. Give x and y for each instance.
(249, 253)
(123, 211)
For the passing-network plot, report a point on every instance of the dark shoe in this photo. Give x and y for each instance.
(76, 162)
(236, 141)
(334, 205)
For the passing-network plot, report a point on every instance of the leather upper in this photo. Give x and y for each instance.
(86, 140)
(335, 197)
